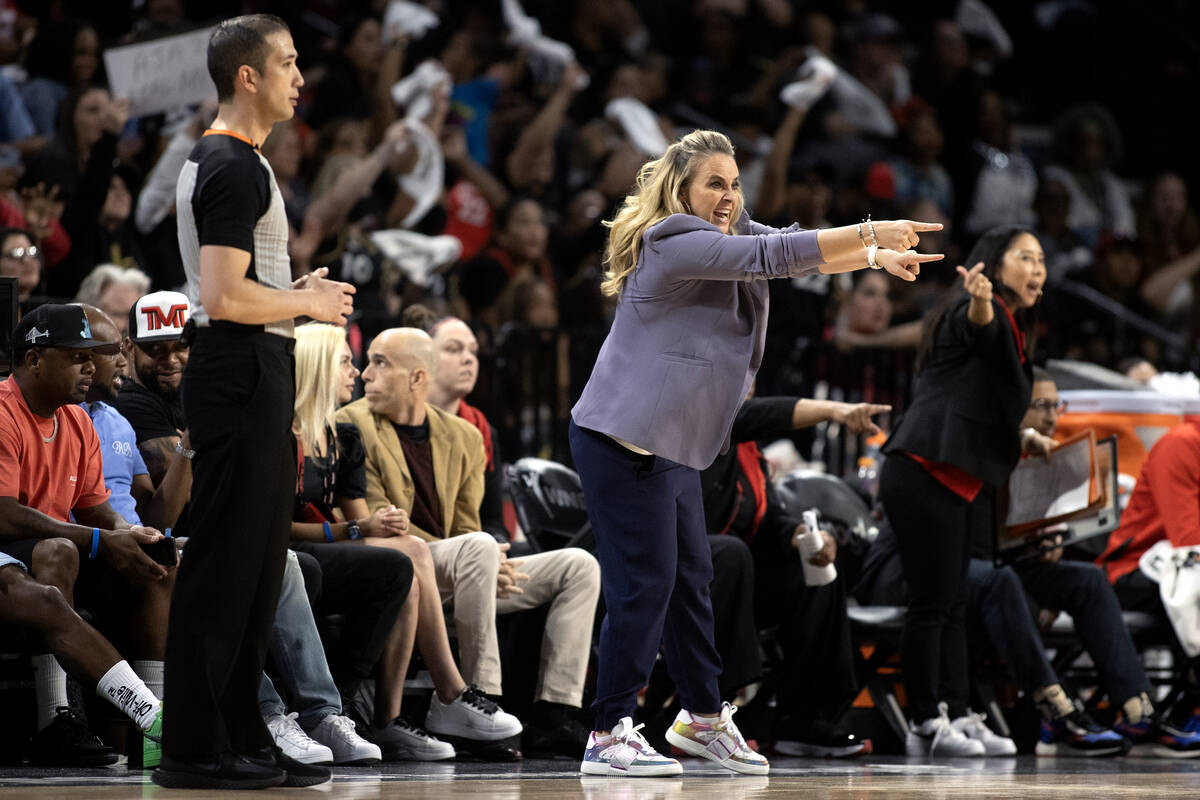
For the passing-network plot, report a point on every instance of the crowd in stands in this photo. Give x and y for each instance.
(458, 175)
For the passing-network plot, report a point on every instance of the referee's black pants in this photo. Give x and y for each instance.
(238, 391)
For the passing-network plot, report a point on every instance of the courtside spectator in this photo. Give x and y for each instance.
(335, 477)
(421, 459)
(52, 493)
(150, 399)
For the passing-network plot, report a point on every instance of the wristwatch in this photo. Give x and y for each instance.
(183, 451)
(353, 531)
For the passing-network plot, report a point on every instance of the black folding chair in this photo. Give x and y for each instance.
(548, 499)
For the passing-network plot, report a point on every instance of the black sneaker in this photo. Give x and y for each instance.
(298, 775)
(820, 739)
(67, 742)
(568, 738)
(225, 771)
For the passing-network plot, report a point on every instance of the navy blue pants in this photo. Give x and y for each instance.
(647, 513)
(1079, 588)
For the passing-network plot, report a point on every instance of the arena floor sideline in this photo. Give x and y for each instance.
(893, 778)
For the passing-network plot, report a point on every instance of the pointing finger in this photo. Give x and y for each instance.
(921, 258)
(926, 226)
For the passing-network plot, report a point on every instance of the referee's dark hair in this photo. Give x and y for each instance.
(237, 41)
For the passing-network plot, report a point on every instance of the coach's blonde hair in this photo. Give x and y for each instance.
(318, 356)
(661, 185)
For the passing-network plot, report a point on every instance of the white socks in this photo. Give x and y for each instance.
(50, 688)
(125, 690)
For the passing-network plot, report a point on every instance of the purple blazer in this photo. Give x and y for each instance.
(688, 335)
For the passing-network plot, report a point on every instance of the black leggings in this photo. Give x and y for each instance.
(932, 526)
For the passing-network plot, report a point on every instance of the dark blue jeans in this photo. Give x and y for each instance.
(647, 513)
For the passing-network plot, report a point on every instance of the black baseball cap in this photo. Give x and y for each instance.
(59, 326)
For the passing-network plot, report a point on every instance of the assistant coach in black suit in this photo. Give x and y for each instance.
(958, 441)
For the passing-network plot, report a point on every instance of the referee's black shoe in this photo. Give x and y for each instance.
(225, 771)
(298, 774)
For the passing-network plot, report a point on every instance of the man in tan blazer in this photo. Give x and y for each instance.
(431, 464)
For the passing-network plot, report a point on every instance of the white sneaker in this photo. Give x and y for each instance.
(294, 742)
(937, 737)
(994, 744)
(337, 733)
(721, 742)
(626, 753)
(470, 716)
(402, 741)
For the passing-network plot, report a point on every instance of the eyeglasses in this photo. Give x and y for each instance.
(20, 253)
(1045, 405)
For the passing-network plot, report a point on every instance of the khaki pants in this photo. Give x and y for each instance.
(569, 580)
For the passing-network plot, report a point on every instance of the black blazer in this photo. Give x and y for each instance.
(969, 398)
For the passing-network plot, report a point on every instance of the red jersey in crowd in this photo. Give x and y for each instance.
(1165, 504)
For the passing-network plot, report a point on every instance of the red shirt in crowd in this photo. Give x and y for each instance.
(52, 476)
(1165, 504)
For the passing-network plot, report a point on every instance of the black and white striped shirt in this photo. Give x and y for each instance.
(227, 195)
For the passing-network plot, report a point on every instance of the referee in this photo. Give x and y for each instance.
(238, 390)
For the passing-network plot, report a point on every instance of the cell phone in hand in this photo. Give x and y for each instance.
(162, 552)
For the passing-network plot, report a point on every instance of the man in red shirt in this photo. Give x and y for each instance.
(50, 471)
(1164, 506)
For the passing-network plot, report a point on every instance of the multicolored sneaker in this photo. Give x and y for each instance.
(1155, 738)
(720, 741)
(1077, 734)
(625, 753)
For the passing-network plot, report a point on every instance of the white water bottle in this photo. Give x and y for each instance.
(809, 544)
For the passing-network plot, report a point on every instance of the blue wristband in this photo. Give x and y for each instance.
(95, 542)
(328, 532)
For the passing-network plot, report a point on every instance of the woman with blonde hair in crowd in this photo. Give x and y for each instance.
(332, 517)
(689, 270)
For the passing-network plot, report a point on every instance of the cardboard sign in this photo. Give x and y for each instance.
(162, 73)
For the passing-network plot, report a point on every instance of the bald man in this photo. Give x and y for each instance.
(431, 464)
